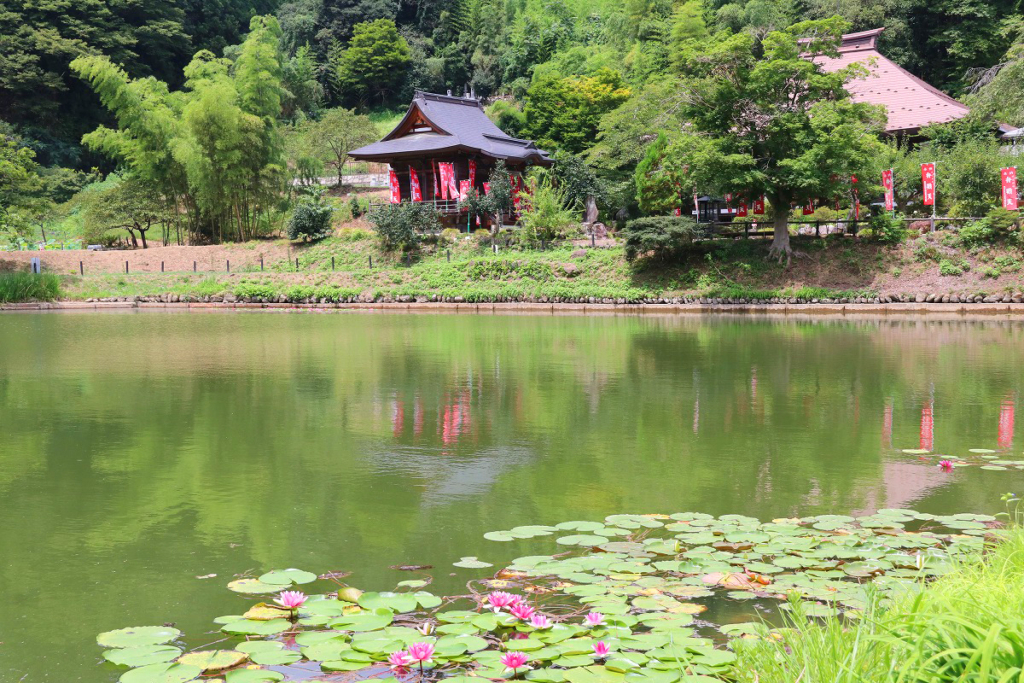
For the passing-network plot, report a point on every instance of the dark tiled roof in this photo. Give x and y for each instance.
(461, 126)
(910, 102)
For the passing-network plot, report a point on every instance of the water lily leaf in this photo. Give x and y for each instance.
(427, 600)
(916, 451)
(286, 577)
(276, 658)
(251, 647)
(161, 673)
(342, 665)
(212, 661)
(142, 656)
(546, 675)
(980, 450)
(503, 536)
(593, 674)
(137, 636)
(580, 526)
(249, 627)
(471, 563)
(999, 468)
(396, 602)
(524, 645)
(414, 583)
(253, 675)
(581, 539)
(253, 587)
(531, 531)
(327, 650)
(365, 621)
(261, 611)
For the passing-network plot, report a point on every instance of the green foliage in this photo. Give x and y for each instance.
(889, 229)
(798, 146)
(334, 135)
(372, 65)
(356, 207)
(16, 287)
(563, 113)
(543, 212)
(995, 226)
(399, 225)
(311, 218)
(660, 238)
(953, 267)
(576, 179)
(131, 204)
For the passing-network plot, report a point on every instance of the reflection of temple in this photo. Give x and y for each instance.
(454, 417)
(926, 439)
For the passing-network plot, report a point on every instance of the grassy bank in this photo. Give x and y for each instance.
(351, 267)
(17, 287)
(966, 626)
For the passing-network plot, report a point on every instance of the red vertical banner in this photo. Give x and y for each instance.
(759, 206)
(809, 208)
(928, 183)
(487, 188)
(396, 192)
(1009, 176)
(927, 427)
(437, 187)
(442, 170)
(741, 212)
(472, 172)
(414, 185)
(888, 187)
(677, 212)
(453, 184)
(464, 188)
(1006, 415)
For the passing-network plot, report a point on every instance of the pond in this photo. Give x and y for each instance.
(148, 458)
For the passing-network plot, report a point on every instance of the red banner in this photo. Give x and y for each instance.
(464, 188)
(442, 170)
(888, 186)
(453, 185)
(928, 182)
(487, 188)
(759, 206)
(472, 173)
(414, 185)
(809, 208)
(1009, 176)
(396, 193)
(678, 212)
(437, 186)
(741, 212)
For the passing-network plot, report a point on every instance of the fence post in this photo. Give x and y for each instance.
(593, 239)
(195, 267)
(371, 263)
(817, 228)
(229, 266)
(296, 264)
(332, 264)
(161, 266)
(125, 267)
(449, 255)
(81, 268)
(261, 264)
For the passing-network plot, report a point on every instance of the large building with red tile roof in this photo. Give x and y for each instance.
(911, 103)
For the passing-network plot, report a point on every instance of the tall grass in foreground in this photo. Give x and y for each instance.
(15, 287)
(968, 626)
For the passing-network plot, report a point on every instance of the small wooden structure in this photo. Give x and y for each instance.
(442, 129)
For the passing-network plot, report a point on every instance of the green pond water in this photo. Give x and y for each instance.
(142, 451)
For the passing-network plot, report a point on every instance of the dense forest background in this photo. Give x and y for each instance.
(594, 78)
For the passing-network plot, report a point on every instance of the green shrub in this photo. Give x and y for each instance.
(889, 230)
(450, 235)
(953, 267)
(658, 237)
(544, 215)
(399, 225)
(15, 287)
(354, 235)
(355, 207)
(925, 250)
(311, 219)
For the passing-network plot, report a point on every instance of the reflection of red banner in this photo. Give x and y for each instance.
(417, 419)
(887, 425)
(414, 185)
(927, 428)
(1006, 414)
(472, 173)
(396, 193)
(928, 183)
(759, 206)
(888, 186)
(397, 418)
(1009, 176)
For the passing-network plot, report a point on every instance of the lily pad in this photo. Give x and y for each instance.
(286, 577)
(471, 562)
(249, 627)
(162, 673)
(253, 587)
(137, 636)
(212, 661)
(142, 656)
(253, 675)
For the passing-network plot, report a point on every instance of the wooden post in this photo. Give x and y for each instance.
(332, 264)
(449, 255)
(229, 266)
(261, 264)
(296, 264)
(125, 267)
(161, 266)
(195, 267)
(81, 268)
(817, 228)
(371, 262)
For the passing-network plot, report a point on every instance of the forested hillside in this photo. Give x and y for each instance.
(82, 82)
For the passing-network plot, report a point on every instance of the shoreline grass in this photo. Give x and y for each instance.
(21, 287)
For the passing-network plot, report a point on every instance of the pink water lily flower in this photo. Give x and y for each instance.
(521, 611)
(500, 599)
(946, 465)
(594, 619)
(514, 660)
(291, 599)
(421, 652)
(601, 649)
(540, 621)
(399, 660)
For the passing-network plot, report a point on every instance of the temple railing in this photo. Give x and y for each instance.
(442, 206)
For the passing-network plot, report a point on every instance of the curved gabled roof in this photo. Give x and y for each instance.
(442, 123)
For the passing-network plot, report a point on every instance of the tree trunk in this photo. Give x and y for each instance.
(135, 242)
(780, 242)
(143, 233)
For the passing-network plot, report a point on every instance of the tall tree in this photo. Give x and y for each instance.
(338, 132)
(776, 125)
(373, 64)
(564, 113)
